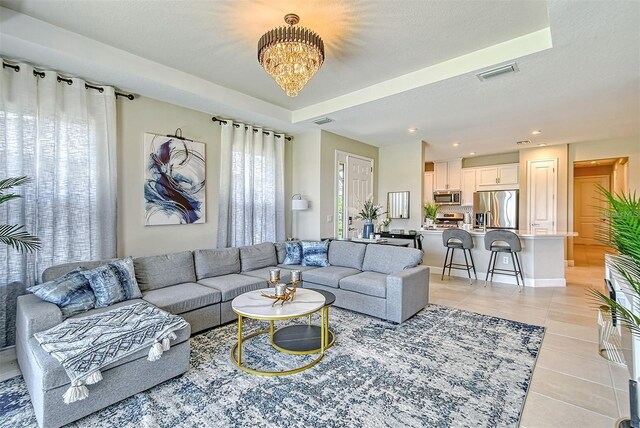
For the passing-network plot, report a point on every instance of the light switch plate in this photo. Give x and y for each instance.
(329, 218)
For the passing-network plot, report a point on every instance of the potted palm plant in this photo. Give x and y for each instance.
(621, 231)
(16, 237)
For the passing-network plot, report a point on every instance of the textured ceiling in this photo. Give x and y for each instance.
(366, 42)
(585, 87)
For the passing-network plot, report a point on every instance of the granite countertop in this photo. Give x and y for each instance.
(522, 233)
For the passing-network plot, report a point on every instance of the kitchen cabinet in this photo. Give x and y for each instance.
(468, 186)
(448, 174)
(498, 176)
(428, 187)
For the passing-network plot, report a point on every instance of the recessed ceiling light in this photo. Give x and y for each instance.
(536, 132)
(472, 153)
(592, 162)
(542, 144)
(413, 129)
(456, 144)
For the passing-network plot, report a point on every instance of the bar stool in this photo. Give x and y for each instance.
(503, 241)
(458, 239)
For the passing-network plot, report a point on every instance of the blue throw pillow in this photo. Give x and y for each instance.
(71, 292)
(314, 253)
(114, 282)
(294, 253)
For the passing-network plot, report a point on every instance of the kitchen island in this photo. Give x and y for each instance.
(542, 257)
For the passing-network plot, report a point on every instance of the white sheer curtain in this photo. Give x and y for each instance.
(251, 207)
(64, 138)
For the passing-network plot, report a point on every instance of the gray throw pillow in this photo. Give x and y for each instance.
(114, 282)
(71, 292)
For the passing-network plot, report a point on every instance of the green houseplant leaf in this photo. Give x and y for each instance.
(15, 235)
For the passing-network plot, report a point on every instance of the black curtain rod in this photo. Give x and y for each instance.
(237, 125)
(36, 73)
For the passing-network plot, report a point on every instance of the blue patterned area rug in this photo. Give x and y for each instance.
(442, 368)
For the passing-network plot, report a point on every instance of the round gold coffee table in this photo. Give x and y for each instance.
(253, 305)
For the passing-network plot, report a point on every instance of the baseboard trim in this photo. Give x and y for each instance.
(506, 279)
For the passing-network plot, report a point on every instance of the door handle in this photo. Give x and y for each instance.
(535, 224)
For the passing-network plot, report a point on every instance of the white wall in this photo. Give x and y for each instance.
(134, 118)
(305, 176)
(401, 169)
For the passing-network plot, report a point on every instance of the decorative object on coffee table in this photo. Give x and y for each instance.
(283, 293)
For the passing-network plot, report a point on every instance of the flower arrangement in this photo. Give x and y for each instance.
(430, 210)
(370, 211)
(386, 222)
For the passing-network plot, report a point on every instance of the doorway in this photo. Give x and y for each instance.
(354, 185)
(589, 205)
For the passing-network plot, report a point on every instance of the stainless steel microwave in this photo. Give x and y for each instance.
(447, 197)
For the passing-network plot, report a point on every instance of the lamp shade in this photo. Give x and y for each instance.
(299, 204)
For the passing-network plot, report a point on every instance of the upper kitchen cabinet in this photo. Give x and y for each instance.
(498, 176)
(468, 186)
(448, 175)
(428, 187)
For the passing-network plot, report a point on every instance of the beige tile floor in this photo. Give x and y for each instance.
(572, 385)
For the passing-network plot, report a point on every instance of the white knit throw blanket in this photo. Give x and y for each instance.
(85, 345)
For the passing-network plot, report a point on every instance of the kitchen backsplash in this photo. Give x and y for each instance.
(455, 209)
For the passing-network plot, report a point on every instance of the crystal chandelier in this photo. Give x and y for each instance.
(291, 55)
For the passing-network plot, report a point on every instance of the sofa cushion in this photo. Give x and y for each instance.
(293, 252)
(369, 283)
(233, 285)
(216, 262)
(57, 271)
(297, 267)
(347, 254)
(162, 271)
(181, 298)
(314, 253)
(389, 259)
(114, 282)
(263, 274)
(70, 292)
(258, 256)
(328, 275)
(281, 251)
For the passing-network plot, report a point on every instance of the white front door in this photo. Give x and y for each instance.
(542, 185)
(354, 176)
(588, 208)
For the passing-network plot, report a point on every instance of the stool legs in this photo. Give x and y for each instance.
(517, 269)
(473, 265)
(444, 267)
(489, 269)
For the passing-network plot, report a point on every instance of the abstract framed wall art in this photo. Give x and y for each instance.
(174, 188)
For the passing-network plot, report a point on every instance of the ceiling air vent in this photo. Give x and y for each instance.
(523, 142)
(322, 121)
(498, 71)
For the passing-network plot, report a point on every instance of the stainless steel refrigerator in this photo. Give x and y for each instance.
(501, 205)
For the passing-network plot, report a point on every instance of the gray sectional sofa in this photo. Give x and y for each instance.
(383, 281)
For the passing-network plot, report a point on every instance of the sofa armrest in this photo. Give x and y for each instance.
(407, 293)
(35, 315)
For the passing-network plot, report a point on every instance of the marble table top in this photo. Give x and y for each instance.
(253, 305)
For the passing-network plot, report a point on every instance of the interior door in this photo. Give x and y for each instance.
(357, 174)
(542, 185)
(588, 204)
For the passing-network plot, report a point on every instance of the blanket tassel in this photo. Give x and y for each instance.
(75, 393)
(94, 377)
(155, 352)
(165, 342)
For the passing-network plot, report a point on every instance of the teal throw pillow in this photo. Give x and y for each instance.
(114, 282)
(71, 292)
(314, 253)
(293, 253)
